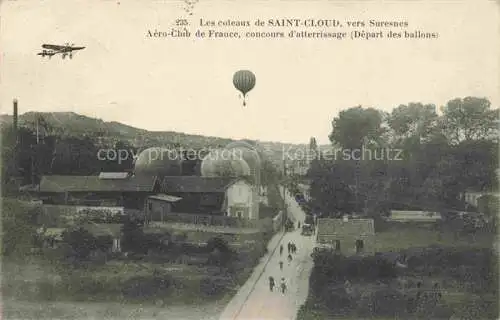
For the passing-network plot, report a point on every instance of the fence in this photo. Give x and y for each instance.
(278, 221)
(214, 220)
(62, 215)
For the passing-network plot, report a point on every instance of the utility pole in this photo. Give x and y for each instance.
(285, 214)
(32, 149)
(356, 194)
(35, 151)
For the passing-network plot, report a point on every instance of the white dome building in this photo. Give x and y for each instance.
(249, 153)
(221, 163)
(159, 162)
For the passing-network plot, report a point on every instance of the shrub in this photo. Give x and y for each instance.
(215, 286)
(217, 243)
(134, 240)
(81, 241)
(18, 226)
(388, 302)
(147, 286)
(337, 266)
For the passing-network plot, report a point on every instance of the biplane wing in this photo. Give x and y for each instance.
(53, 47)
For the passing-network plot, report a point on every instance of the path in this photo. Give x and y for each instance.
(254, 300)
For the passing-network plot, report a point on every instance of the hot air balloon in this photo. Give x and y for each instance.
(244, 81)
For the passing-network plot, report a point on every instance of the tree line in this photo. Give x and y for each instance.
(29, 155)
(409, 159)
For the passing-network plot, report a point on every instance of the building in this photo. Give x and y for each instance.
(305, 190)
(237, 160)
(119, 190)
(219, 196)
(159, 207)
(64, 198)
(346, 236)
(473, 197)
(414, 216)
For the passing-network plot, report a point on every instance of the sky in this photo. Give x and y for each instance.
(186, 85)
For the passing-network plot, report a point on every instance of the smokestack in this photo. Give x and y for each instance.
(15, 118)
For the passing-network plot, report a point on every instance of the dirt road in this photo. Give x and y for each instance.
(255, 300)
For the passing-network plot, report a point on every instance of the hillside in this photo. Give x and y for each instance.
(73, 124)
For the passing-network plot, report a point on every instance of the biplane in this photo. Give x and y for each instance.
(65, 50)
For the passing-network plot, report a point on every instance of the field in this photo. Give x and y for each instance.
(14, 309)
(149, 287)
(443, 274)
(179, 283)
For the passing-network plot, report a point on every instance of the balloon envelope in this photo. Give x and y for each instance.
(244, 81)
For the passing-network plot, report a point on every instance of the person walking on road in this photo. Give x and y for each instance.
(289, 247)
(298, 225)
(283, 285)
(289, 259)
(281, 265)
(281, 250)
(271, 283)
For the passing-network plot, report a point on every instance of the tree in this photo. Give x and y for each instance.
(270, 173)
(18, 227)
(356, 126)
(221, 254)
(414, 120)
(9, 168)
(313, 149)
(81, 241)
(470, 118)
(329, 190)
(133, 236)
(353, 129)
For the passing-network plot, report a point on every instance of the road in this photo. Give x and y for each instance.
(254, 300)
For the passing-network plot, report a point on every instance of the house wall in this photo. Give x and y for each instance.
(132, 200)
(199, 203)
(415, 216)
(240, 201)
(157, 210)
(255, 202)
(347, 231)
(347, 243)
(472, 197)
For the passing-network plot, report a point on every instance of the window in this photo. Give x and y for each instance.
(337, 245)
(359, 246)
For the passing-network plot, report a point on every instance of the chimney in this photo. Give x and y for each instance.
(15, 118)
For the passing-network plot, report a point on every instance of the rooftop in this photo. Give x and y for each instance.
(114, 175)
(351, 227)
(196, 184)
(62, 184)
(165, 197)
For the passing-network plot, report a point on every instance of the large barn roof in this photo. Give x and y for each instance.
(341, 228)
(95, 184)
(196, 184)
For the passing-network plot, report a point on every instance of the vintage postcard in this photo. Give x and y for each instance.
(260, 159)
